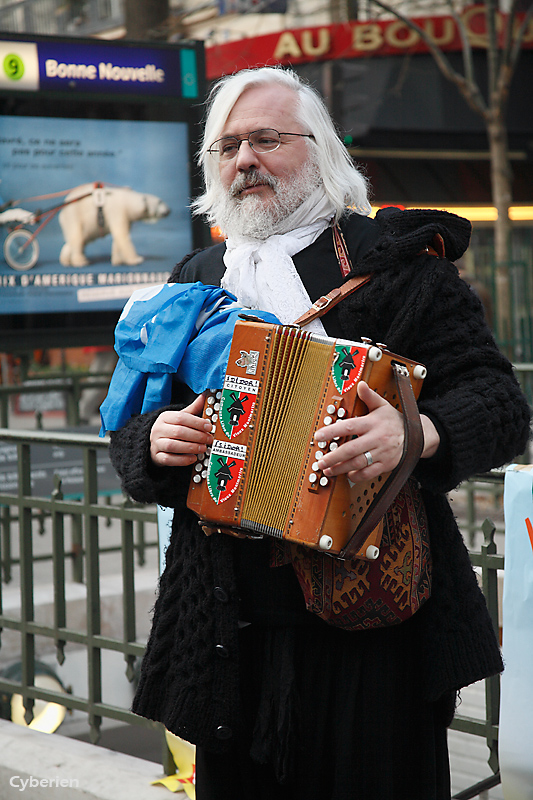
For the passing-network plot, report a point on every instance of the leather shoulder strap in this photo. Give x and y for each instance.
(328, 301)
(412, 450)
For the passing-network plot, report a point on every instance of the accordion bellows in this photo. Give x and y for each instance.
(261, 475)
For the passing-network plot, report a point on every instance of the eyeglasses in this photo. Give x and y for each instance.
(265, 140)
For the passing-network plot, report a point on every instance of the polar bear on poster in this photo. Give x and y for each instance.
(93, 210)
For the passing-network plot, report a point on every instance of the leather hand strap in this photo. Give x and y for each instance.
(328, 301)
(412, 450)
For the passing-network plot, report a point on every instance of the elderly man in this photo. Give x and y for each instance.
(280, 703)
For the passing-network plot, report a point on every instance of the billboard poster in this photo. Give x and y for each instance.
(98, 207)
(96, 147)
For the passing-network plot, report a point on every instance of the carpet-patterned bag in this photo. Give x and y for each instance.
(360, 594)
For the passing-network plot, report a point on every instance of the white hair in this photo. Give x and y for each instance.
(344, 184)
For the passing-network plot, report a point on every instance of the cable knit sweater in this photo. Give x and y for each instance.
(417, 304)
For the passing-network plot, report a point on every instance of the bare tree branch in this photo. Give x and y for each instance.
(519, 37)
(469, 89)
(468, 61)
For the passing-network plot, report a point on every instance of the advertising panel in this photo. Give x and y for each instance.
(96, 146)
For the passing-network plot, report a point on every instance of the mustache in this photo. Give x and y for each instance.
(252, 178)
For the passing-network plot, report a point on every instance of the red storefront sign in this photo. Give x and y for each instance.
(351, 40)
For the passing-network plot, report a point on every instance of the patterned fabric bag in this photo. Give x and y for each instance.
(360, 594)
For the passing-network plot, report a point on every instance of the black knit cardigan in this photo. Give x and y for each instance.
(417, 304)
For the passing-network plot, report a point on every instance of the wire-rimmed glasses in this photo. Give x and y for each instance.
(265, 140)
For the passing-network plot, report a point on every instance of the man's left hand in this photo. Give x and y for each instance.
(380, 433)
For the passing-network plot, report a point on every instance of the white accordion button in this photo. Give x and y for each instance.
(327, 420)
(315, 467)
(341, 413)
(313, 477)
(198, 466)
(325, 542)
(333, 445)
(330, 409)
(214, 418)
(322, 445)
(372, 552)
(210, 399)
(209, 411)
(197, 479)
(324, 481)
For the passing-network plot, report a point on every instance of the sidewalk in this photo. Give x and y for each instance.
(46, 767)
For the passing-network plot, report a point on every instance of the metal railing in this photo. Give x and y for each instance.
(69, 386)
(87, 515)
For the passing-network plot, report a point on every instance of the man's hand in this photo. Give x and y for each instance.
(178, 436)
(379, 433)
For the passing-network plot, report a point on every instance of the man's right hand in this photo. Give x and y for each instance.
(178, 436)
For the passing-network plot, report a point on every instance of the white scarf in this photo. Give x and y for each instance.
(261, 274)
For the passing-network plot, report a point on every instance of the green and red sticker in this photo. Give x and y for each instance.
(237, 404)
(347, 366)
(224, 469)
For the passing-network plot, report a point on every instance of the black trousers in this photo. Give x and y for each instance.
(332, 715)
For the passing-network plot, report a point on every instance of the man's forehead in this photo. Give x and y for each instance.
(270, 106)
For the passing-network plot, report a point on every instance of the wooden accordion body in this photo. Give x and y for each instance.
(261, 475)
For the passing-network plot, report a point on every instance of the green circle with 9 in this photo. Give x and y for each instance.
(13, 66)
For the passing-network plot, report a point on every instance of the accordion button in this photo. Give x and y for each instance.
(312, 478)
(222, 651)
(197, 479)
(210, 399)
(209, 411)
(220, 594)
(333, 445)
(223, 732)
(341, 413)
(315, 467)
(198, 467)
(330, 409)
(322, 445)
(324, 481)
(327, 420)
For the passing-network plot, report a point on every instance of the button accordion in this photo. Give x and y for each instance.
(261, 475)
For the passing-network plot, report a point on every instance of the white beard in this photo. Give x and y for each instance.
(252, 217)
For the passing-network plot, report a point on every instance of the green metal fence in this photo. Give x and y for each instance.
(88, 516)
(70, 386)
